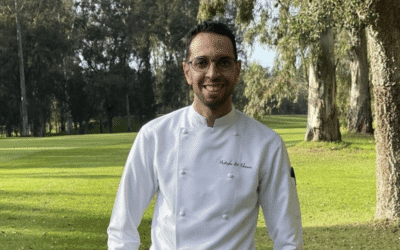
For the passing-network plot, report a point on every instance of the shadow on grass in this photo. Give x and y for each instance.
(37, 227)
(48, 195)
(373, 235)
(285, 121)
(64, 176)
(56, 159)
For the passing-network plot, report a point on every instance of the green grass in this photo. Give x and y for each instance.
(58, 192)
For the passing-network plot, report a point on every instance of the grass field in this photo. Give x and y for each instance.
(58, 192)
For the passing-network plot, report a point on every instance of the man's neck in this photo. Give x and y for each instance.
(212, 114)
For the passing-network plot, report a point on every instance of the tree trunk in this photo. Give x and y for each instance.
(384, 49)
(42, 125)
(323, 122)
(359, 116)
(67, 103)
(24, 103)
(109, 123)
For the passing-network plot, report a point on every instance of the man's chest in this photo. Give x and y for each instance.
(209, 169)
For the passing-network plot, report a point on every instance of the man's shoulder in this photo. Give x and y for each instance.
(256, 129)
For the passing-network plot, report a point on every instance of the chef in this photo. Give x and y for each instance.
(210, 166)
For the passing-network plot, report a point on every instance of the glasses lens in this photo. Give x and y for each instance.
(200, 63)
(222, 63)
(225, 63)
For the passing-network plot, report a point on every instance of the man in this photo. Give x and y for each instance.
(209, 165)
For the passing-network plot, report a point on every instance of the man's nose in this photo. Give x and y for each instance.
(213, 71)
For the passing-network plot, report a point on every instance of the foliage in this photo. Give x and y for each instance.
(294, 27)
(343, 80)
(259, 91)
(95, 59)
(44, 24)
(9, 92)
(267, 92)
(259, 21)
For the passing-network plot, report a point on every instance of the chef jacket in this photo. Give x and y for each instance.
(209, 183)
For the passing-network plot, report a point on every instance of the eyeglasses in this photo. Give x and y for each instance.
(202, 63)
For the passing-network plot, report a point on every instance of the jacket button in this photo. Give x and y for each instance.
(225, 216)
(184, 131)
(230, 175)
(181, 213)
(236, 134)
(182, 172)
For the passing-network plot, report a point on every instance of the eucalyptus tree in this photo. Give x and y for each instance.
(383, 28)
(15, 9)
(322, 121)
(351, 40)
(176, 18)
(300, 27)
(384, 49)
(159, 28)
(10, 91)
(102, 35)
(46, 46)
(40, 43)
(359, 117)
(259, 81)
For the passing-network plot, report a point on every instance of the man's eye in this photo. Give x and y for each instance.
(225, 62)
(201, 63)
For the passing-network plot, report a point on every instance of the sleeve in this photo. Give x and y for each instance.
(137, 187)
(279, 200)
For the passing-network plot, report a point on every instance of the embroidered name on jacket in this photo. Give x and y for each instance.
(237, 164)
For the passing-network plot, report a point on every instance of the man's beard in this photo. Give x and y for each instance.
(216, 103)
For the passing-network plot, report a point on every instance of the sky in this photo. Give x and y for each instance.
(262, 55)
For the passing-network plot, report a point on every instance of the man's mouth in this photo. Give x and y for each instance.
(214, 87)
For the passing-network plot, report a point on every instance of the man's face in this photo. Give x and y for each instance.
(213, 87)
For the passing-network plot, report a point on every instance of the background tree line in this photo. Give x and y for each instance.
(91, 60)
(68, 66)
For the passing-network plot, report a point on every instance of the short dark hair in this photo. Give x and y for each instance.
(210, 26)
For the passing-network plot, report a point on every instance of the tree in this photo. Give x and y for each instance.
(258, 91)
(46, 46)
(359, 117)
(300, 26)
(10, 91)
(7, 6)
(384, 50)
(322, 121)
(24, 105)
(352, 42)
(40, 20)
(176, 17)
(117, 38)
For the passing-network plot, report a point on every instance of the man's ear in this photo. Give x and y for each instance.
(186, 72)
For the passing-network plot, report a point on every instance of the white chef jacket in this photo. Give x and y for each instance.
(209, 183)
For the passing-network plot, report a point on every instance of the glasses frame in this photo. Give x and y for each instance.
(210, 61)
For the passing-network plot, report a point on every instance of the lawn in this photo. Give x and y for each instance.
(58, 192)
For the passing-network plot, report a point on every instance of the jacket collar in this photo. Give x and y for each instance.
(197, 120)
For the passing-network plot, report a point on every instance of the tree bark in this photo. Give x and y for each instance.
(24, 102)
(384, 49)
(323, 122)
(68, 114)
(359, 116)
